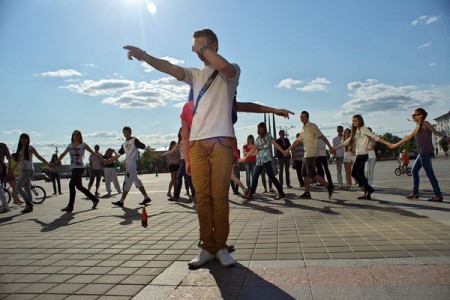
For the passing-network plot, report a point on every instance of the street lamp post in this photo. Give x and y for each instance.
(285, 128)
(56, 147)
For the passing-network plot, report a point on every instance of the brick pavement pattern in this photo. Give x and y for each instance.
(286, 249)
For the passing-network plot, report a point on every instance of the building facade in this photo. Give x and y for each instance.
(442, 125)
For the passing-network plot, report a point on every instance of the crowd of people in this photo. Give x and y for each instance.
(206, 152)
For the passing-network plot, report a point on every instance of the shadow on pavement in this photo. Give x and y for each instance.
(383, 209)
(129, 215)
(325, 210)
(239, 282)
(62, 221)
(252, 204)
(6, 219)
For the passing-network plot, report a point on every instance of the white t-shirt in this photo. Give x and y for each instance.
(370, 150)
(76, 156)
(213, 115)
(96, 163)
(130, 148)
(322, 147)
(26, 164)
(362, 138)
(336, 141)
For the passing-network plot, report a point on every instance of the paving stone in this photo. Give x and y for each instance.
(125, 290)
(38, 288)
(21, 296)
(79, 258)
(95, 289)
(65, 288)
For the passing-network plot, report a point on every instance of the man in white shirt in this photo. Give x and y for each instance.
(95, 169)
(211, 139)
(339, 157)
(131, 148)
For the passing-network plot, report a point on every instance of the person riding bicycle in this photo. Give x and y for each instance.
(404, 159)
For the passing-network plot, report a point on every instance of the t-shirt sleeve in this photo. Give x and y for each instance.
(139, 144)
(188, 78)
(369, 133)
(317, 131)
(122, 150)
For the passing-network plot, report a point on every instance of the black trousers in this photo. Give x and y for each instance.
(268, 168)
(76, 182)
(358, 170)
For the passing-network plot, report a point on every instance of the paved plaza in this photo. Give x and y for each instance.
(340, 248)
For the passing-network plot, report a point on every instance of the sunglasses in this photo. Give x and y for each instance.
(413, 115)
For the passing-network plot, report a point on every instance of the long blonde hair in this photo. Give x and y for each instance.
(354, 128)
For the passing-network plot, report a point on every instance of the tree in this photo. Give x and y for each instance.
(410, 146)
(444, 145)
(382, 150)
(145, 161)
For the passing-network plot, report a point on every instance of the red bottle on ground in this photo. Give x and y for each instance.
(144, 218)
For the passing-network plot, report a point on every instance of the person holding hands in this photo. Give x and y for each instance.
(423, 136)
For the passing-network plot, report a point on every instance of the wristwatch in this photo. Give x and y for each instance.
(202, 49)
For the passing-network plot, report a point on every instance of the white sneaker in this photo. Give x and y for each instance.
(201, 259)
(225, 258)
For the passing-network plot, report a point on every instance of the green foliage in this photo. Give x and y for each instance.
(382, 150)
(410, 146)
(147, 163)
(444, 145)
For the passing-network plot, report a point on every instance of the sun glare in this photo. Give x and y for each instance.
(151, 7)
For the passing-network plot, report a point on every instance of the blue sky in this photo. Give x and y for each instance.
(62, 66)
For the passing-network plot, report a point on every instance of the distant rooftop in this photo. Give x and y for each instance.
(443, 117)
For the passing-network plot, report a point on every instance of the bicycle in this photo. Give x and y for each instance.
(401, 169)
(38, 192)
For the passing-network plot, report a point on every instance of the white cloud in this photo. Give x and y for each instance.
(100, 87)
(288, 83)
(424, 20)
(426, 45)
(159, 140)
(60, 73)
(103, 134)
(312, 88)
(175, 61)
(151, 95)
(179, 105)
(317, 84)
(134, 99)
(432, 64)
(12, 132)
(90, 65)
(373, 97)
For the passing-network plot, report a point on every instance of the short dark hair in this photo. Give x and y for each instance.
(340, 128)
(281, 131)
(305, 112)
(209, 34)
(126, 128)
